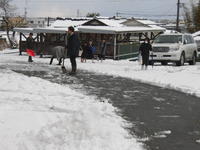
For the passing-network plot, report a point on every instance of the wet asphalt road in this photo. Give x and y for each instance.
(161, 118)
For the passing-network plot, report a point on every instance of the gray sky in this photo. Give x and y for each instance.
(66, 8)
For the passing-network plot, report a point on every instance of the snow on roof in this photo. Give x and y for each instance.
(112, 23)
(24, 30)
(113, 26)
(119, 23)
(147, 22)
(66, 23)
(42, 30)
(156, 27)
(113, 30)
(51, 30)
(196, 33)
(197, 38)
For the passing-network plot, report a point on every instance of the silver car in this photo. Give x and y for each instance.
(175, 47)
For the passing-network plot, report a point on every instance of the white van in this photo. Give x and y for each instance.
(174, 47)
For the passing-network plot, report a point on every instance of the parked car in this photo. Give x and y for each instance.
(174, 47)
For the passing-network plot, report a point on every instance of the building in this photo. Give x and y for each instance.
(122, 36)
(36, 22)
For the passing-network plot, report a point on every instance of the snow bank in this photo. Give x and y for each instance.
(39, 115)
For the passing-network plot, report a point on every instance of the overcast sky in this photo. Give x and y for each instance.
(66, 8)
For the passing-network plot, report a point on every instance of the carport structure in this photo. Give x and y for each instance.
(122, 36)
(44, 39)
(24, 33)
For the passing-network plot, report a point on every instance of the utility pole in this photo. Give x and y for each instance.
(25, 9)
(117, 14)
(178, 15)
(78, 13)
(48, 21)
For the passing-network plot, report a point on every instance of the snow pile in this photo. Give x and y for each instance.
(39, 115)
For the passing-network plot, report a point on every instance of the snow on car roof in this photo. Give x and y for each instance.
(196, 33)
(175, 34)
(197, 38)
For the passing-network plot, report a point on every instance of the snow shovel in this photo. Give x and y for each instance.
(64, 70)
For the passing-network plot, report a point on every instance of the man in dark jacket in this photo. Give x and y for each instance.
(145, 49)
(73, 46)
(30, 47)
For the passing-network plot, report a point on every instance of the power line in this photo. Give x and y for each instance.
(144, 14)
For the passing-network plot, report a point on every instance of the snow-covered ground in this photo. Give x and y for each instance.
(39, 115)
(36, 114)
(185, 78)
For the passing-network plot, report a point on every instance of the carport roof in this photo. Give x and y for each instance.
(42, 30)
(51, 30)
(24, 30)
(94, 29)
(114, 30)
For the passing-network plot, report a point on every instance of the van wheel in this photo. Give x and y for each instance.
(164, 63)
(193, 61)
(181, 61)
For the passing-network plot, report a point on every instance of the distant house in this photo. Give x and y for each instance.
(172, 26)
(36, 22)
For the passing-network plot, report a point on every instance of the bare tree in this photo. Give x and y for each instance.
(7, 11)
(188, 18)
(93, 14)
(192, 16)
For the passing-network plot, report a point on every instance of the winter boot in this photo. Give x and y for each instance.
(142, 67)
(30, 59)
(146, 67)
(51, 61)
(73, 72)
(60, 61)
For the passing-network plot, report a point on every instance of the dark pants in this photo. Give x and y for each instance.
(101, 56)
(73, 63)
(51, 61)
(145, 60)
(30, 59)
